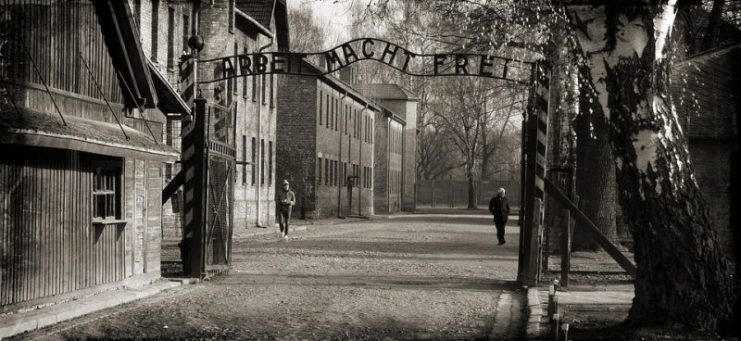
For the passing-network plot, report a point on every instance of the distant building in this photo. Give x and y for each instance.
(389, 155)
(325, 145)
(400, 130)
(81, 168)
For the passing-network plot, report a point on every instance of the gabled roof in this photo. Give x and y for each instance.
(46, 130)
(386, 91)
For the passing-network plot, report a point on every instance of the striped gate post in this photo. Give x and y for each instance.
(536, 144)
(194, 168)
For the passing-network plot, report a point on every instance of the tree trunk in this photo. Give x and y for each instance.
(595, 180)
(471, 187)
(682, 277)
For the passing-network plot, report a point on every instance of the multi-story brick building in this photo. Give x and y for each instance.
(402, 166)
(325, 145)
(388, 151)
(228, 27)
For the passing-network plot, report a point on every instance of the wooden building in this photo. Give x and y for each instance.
(82, 152)
(326, 142)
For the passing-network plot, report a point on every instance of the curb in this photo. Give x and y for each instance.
(36, 319)
(503, 318)
(534, 314)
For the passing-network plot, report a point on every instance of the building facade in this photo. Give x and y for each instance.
(81, 168)
(389, 159)
(228, 27)
(326, 146)
(404, 105)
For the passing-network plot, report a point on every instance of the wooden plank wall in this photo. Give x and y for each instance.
(55, 33)
(48, 245)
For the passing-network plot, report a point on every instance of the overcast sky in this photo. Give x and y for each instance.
(331, 14)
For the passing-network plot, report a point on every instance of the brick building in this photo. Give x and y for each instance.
(228, 27)
(388, 175)
(326, 145)
(705, 82)
(706, 95)
(81, 168)
(403, 173)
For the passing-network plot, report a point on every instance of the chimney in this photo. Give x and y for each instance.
(347, 75)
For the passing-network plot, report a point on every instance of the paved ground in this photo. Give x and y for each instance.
(404, 278)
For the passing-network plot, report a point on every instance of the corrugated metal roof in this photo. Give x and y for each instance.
(46, 130)
(385, 91)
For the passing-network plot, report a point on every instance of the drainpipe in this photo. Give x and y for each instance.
(339, 156)
(259, 139)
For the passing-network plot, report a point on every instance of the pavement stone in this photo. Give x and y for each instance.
(535, 314)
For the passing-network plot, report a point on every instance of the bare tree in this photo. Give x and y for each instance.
(306, 35)
(682, 275)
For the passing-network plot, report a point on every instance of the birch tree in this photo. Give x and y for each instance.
(682, 276)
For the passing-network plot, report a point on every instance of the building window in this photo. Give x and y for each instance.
(270, 163)
(272, 90)
(155, 28)
(326, 172)
(262, 161)
(331, 173)
(244, 80)
(244, 159)
(319, 170)
(254, 88)
(330, 119)
(335, 168)
(327, 112)
(186, 31)
(231, 16)
(170, 38)
(263, 93)
(320, 108)
(138, 14)
(106, 190)
(254, 160)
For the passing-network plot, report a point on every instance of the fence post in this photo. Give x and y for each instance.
(433, 193)
(452, 193)
(565, 246)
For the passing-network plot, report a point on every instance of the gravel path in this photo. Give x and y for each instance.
(411, 278)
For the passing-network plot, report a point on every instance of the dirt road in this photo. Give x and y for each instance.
(406, 278)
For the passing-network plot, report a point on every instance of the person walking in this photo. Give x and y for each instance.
(284, 201)
(499, 208)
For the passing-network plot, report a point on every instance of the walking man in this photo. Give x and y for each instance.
(284, 201)
(499, 208)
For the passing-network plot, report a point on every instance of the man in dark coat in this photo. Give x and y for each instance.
(499, 208)
(284, 201)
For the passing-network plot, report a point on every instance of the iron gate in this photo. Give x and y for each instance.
(209, 164)
(221, 158)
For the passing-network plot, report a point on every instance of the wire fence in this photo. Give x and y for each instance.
(454, 193)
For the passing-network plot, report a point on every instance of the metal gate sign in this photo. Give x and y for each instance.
(395, 56)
